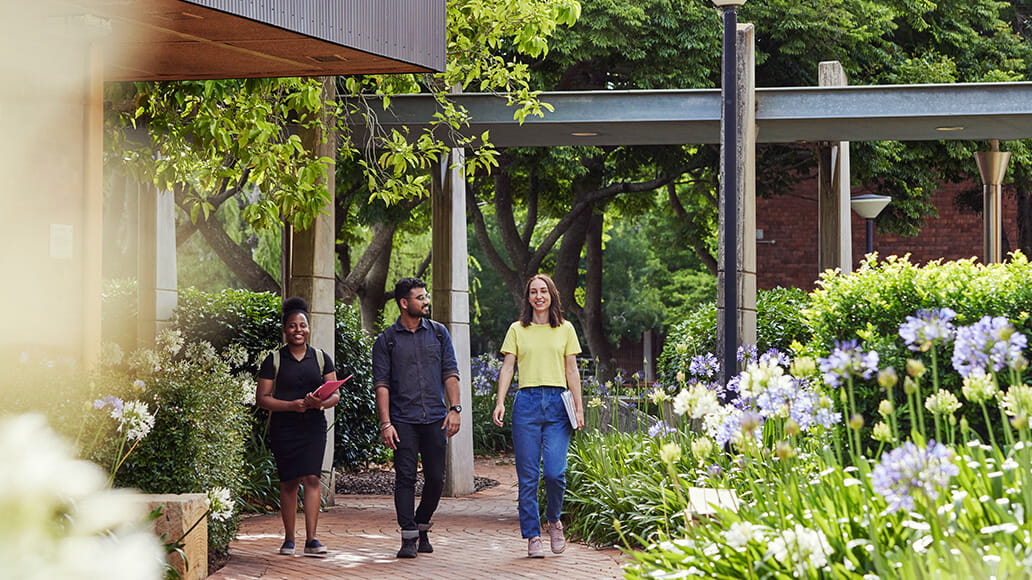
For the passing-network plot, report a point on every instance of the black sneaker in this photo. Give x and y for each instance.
(424, 539)
(314, 547)
(408, 548)
(287, 549)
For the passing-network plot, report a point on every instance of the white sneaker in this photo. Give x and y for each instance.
(534, 548)
(557, 537)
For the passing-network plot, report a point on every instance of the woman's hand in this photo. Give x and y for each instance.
(298, 405)
(313, 402)
(499, 414)
(580, 418)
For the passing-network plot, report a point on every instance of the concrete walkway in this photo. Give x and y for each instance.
(474, 537)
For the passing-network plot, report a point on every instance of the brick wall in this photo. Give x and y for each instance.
(787, 253)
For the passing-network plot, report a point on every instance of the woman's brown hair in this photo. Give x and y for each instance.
(555, 310)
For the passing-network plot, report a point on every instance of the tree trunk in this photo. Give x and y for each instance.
(239, 260)
(592, 319)
(371, 296)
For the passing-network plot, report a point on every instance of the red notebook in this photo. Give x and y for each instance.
(328, 388)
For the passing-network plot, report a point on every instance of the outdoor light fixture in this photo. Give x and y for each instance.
(729, 180)
(868, 206)
(584, 134)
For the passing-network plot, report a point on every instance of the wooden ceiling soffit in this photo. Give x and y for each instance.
(212, 39)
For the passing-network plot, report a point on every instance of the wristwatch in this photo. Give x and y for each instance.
(456, 408)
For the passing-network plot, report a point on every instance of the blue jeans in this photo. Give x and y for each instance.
(540, 436)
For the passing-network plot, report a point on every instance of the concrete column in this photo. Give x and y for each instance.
(992, 165)
(450, 287)
(312, 261)
(745, 277)
(834, 227)
(93, 204)
(156, 261)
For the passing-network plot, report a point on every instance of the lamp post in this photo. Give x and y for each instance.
(869, 206)
(729, 178)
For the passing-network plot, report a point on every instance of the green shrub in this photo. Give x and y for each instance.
(249, 319)
(488, 437)
(871, 303)
(779, 322)
(357, 430)
(200, 423)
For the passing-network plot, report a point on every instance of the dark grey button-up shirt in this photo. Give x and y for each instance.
(413, 366)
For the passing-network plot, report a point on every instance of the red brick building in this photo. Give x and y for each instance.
(786, 255)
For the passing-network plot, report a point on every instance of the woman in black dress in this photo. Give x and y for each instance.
(297, 425)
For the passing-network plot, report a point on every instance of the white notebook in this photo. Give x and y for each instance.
(571, 410)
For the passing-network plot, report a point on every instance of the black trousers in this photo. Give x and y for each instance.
(429, 443)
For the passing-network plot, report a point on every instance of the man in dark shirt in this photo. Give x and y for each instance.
(414, 369)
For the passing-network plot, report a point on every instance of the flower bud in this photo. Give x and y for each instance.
(791, 427)
(1020, 363)
(1019, 422)
(803, 366)
(915, 368)
(909, 386)
(885, 408)
(881, 432)
(887, 378)
(784, 450)
(702, 447)
(856, 422)
(670, 453)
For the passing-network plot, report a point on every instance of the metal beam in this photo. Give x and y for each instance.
(784, 115)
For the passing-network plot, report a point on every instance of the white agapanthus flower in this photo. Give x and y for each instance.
(247, 390)
(740, 534)
(135, 420)
(60, 520)
(763, 376)
(220, 504)
(696, 401)
(801, 548)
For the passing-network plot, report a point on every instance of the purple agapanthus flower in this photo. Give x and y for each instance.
(661, 428)
(909, 470)
(927, 328)
(775, 356)
(112, 401)
(746, 353)
(990, 343)
(847, 360)
(704, 366)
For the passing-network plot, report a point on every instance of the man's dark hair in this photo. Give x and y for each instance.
(404, 286)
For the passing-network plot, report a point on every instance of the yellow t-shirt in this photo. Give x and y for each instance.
(541, 352)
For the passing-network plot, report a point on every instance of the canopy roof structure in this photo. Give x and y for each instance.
(783, 115)
(209, 39)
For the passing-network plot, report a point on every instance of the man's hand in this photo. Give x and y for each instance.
(452, 422)
(390, 436)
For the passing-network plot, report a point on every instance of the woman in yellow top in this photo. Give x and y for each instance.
(545, 345)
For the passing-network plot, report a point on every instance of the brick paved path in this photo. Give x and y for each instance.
(474, 537)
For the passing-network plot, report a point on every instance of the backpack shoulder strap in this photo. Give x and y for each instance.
(321, 357)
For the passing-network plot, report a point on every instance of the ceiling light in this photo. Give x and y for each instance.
(584, 134)
(954, 128)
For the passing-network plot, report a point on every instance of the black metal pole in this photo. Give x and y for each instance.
(870, 235)
(729, 92)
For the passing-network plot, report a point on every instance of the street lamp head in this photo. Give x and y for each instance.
(727, 3)
(869, 205)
